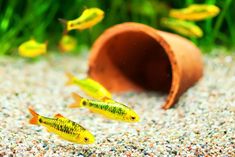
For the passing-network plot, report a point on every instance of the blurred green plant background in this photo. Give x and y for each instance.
(22, 20)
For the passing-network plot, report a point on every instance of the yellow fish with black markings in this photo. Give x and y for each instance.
(88, 19)
(67, 43)
(90, 87)
(63, 127)
(109, 108)
(185, 28)
(195, 12)
(32, 48)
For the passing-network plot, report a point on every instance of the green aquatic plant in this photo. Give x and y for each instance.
(39, 19)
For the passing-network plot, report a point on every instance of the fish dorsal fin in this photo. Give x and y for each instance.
(84, 8)
(58, 115)
(106, 99)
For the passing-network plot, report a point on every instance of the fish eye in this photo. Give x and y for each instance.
(84, 103)
(132, 117)
(86, 139)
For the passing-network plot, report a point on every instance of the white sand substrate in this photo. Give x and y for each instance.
(201, 124)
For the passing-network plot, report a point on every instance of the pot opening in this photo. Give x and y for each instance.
(141, 59)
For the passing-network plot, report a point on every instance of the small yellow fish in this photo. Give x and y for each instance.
(32, 49)
(90, 87)
(185, 28)
(67, 43)
(109, 109)
(63, 127)
(89, 18)
(195, 12)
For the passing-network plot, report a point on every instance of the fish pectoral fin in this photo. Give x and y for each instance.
(92, 111)
(95, 111)
(58, 115)
(48, 130)
(78, 136)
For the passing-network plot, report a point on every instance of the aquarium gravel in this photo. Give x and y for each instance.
(201, 124)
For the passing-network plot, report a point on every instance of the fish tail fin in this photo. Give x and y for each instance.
(46, 46)
(46, 43)
(70, 77)
(77, 99)
(34, 119)
(65, 23)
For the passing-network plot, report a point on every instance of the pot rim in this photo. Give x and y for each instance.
(153, 33)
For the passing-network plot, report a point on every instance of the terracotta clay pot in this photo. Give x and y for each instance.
(133, 56)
